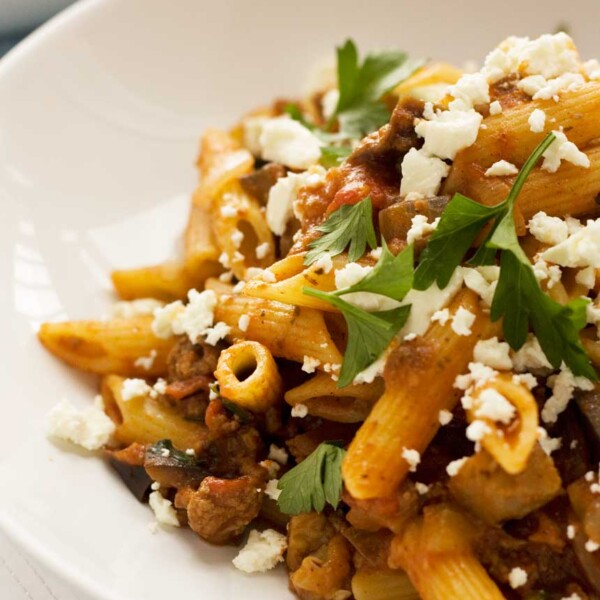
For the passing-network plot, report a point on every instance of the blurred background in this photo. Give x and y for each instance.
(20, 17)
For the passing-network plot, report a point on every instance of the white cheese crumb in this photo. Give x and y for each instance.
(420, 227)
(531, 357)
(501, 168)
(160, 387)
(165, 453)
(495, 406)
(471, 89)
(262, 552)
(526, 379)
(517, 577)
(462, 321)
(135, 308)
(562, 149)
(545, 272)
(548, 230)
(422, 173)
(146, 362)
(409, 337)
(155, 486)
(288, 142)
(570, 532)
(90, 428)
(262, 250)
(477, 376)
(441, 316)
(278, 454)
(271, 489)
(271, 467)
(229, 211)
(243, 322)
(422, 488)
(444, 417)
(134, 388)
(217, 333)
(190, 452)
(324, 263)
(573, 596)
(592, 546)
(477, 430)
(586, 277)
(447, 132)
(495, 108)
(299, 411)
(412, 457)
(283, 195)
(581, 249)
(354, 272)
(484, 287)
(537, 120)
(329, 102)
(310, 364)
(163, 509)
(493, 353)
(224, 260)
(268, 276)
(455, 466)
(563, 385)
(237, 237)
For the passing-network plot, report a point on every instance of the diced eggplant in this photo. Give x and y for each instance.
(588, 404)
(260, 182)
(134, 477)
(173, 468)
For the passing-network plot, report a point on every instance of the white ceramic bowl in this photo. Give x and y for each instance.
(100, 111)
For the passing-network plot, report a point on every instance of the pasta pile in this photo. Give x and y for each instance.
(377, 359)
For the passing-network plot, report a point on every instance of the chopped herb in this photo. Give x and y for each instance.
(518, 298)
(313, 483)
(241, 413)
(333, 156)
(165, 449)
(349, 225)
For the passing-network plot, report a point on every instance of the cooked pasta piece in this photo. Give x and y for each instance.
(106, 347)
(510, 443)
(287, 331)
(485, 489)
(382, 584)
(323, 398)
(248, 376)
(436, 552)
(146, 419)
(419, 379)
(429, 81)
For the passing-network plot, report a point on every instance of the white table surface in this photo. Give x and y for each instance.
(22, 578)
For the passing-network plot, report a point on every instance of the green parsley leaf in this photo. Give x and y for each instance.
(392, 276)
(349, 225)
(333, 156)
(313, 483)
(359, 109)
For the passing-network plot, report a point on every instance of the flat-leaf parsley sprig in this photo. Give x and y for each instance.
(518, 298)
(313, 483)
(370, 333)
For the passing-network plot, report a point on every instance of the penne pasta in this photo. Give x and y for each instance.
(419, 379)
(201, 250)
(105, 347)
(382, 584)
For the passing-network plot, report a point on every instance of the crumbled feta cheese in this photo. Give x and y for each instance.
(271, 467)
(455, 466)
(420, 227)
(517, 577)
(224, 260)
(134, 388)
(493, 405)
(477, 430)
(483, 286)
(530, 357)
(310, 364)
(262, 552)
(586, 277)
(477, 376)
(525, 379)
(278, 454)
(563, 385)
(352, 273)
(592, 546)
(299, 411)
(324, 263)
(545, 272)
(90, 428)
(165, 453)
(252, 129)
(409, 337)
(163, 509)
(548, 230)
(447, 132)
(537, 120)
(444, 417)
(581, 249)
(592, 69)
(160, 387)
(215, 334)
(288, 142)
(541, 89)
(146, 362)
(441, 316)
(135, 308)
(412, 457)
(262, 250)
(237, 237)
(329, 102)
(422, 173)
(495, 108)
(471, 89)
(283, 195)
(374, 370)
(164, 317)
(271, 489)
(376, 253)
(570, 532)
(190, 452)
(493, 353)
(243, 322)
(562, 149)
(573, 596)
(229, 211)
(462, 321)
(422, 488)
(548, 444)
(501, 168)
